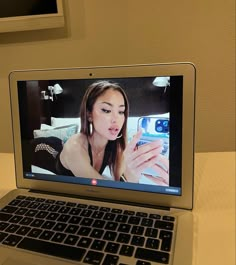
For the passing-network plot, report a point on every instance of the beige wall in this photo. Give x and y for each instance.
(109, 32)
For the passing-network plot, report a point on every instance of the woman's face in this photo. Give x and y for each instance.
(108, 114)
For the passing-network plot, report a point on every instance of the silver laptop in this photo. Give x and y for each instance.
(58, 215)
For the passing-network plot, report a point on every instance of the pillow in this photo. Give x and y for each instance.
(63, 133)
(44, 126)
(55, 122)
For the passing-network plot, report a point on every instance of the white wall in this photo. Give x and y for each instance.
(109, 32)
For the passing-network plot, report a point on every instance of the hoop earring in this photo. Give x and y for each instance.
(90, 128)
(119, 136)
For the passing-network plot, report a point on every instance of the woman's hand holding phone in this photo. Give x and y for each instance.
(137, 158)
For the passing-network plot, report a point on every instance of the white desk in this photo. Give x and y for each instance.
(214, 205)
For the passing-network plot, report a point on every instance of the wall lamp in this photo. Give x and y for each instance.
(162, 81)
(52, 92)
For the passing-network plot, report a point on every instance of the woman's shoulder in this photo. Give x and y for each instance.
(76, 142)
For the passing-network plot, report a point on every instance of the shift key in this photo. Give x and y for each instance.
(152, 255)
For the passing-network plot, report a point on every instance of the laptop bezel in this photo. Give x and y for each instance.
(187, 70)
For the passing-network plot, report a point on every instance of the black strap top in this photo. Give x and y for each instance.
(61, 170)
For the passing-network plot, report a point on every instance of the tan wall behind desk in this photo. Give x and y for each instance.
(108, 32)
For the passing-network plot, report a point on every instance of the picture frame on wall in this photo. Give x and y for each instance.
(28, 15)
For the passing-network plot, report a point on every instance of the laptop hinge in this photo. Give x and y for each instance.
(101, 200)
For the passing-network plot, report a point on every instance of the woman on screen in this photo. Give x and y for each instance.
(102, 141)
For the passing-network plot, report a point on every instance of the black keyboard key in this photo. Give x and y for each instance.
(14, 202)
(30, 198)
(110, 260)
(3, 236)
(99, 223)
(138, 241)
(54, 208)
(26, 221)
(116, 211)
(134, 220)
(152, 255)
(86, 213)
(141, 214)
(152, 243)
(37, 223)
(166, 237)
(127, 212)
(147, 222)
(44, 206)
(75, 211)
(3, 225)
(84, 231)
(46, 235)
(21, 211)
(151, 232)
(112, 247)
(98, 245)
(124, 228)
(24, 204)
(48, 225)
(137, 230)
(31, 213)
(50, 201)
(141, 262)
(59, 237)
(127, 250)
(60, 203)
(9, 209)
(98, 215)
(34, 205)
(96, 233)
(42, 214)
(23, 230)
(35, 232)
(71, 204)
(93, 257)
(84, 242)
(75, 220)
(5, 216)
(105, 209)
(52, 216)
(155, 216)
(123, 238)
(54, 249)
(15, 219)
(121, 218)
(12, 228)
(71, 240)
(12, 240)
(168, 218)
(63, 218)
(64, 209)
(110, 236)
(72, 229)
(109, 216)
(111, 226)
(164, 225)
(60, 227)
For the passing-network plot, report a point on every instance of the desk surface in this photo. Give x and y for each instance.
(214, 205)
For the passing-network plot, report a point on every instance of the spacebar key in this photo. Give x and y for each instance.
(152, 255)
(53, 249)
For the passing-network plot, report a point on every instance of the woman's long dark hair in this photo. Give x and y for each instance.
(115, 148)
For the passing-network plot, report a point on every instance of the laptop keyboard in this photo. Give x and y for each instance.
(86, 233)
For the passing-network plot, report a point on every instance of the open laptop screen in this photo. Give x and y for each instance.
(49, 111)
